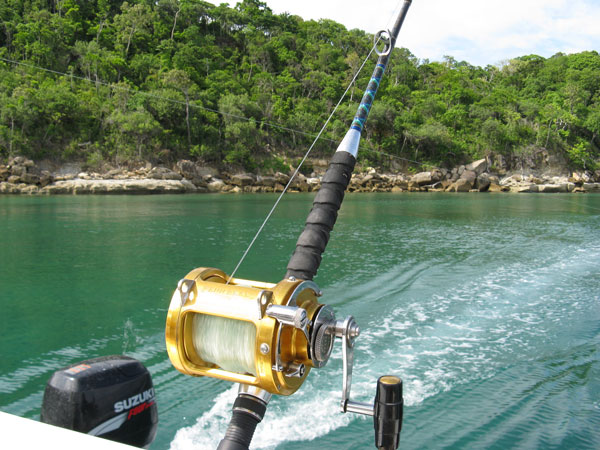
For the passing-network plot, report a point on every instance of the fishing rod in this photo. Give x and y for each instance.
(267, 337)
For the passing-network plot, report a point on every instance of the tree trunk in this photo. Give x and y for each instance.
(129, 40)
(99, 31)
(12, 133)
(140, 145)
(8, 37)
(175, 22)
(403, 144)
(187, 119)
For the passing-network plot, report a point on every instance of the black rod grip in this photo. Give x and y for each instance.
(311, 244)
(388, 412)
(248, 411)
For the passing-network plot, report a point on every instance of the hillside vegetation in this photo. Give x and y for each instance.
(171, 79)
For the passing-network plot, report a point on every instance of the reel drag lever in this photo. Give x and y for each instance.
(388, 405)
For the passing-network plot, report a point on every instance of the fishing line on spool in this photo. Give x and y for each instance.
(225, 342)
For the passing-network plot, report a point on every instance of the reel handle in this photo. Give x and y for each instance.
(388, 409)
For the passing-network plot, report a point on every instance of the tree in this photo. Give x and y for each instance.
(133, 134)
(135, 21)
(581, 156)
(181, 81)
(592, 122)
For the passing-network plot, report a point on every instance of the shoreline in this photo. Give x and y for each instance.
(24, 177)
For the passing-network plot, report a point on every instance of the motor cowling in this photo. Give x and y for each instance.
(110, 397)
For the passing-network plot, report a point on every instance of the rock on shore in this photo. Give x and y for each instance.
(23, 176)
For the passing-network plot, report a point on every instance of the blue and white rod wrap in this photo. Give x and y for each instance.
(351, 141)
(367, 100)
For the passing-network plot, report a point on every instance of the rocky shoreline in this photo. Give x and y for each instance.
(23, 176)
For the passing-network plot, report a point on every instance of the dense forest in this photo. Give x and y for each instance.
(106, 80)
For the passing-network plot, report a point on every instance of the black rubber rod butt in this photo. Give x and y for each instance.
(311, 244)
(388, 412)
(248, 411)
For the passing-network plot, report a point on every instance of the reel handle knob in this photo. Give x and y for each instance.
(388, 411)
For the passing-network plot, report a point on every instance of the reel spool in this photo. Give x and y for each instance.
(253, 333)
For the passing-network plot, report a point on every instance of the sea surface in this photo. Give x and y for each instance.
(487, 306)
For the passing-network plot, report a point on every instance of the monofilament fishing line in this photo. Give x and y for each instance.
(228, 343)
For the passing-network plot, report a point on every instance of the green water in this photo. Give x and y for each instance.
(488, 306)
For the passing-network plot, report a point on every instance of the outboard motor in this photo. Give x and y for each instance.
(110, 397)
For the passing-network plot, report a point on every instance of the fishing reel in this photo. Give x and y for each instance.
(268, 337)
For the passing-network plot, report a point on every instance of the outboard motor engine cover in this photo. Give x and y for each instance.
(111, 397)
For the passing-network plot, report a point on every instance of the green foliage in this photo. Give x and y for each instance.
(241, 157)
(274, 164)
(173, 79)
(95, 160)
(581, 156)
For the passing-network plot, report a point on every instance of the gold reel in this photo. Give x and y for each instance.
(253, 333)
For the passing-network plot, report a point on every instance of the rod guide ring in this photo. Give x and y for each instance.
(386, 37)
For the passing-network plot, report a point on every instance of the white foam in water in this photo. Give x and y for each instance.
(320, 415)
(209, 428)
